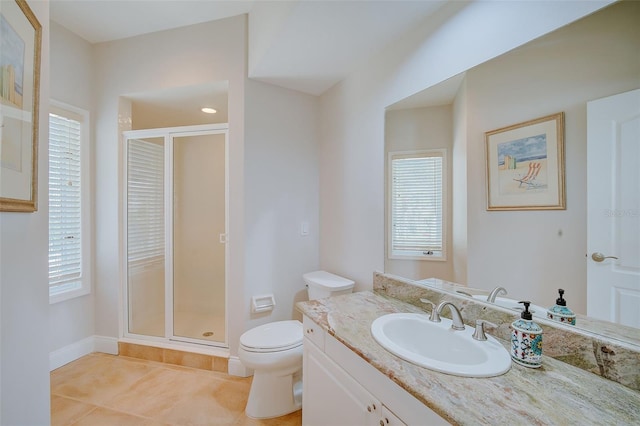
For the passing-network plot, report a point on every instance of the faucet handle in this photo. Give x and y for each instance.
(434, 313)
(479, 333)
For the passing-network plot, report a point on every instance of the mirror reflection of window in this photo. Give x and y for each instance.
(416, 207)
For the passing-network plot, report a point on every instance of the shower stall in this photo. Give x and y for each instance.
(175, 197)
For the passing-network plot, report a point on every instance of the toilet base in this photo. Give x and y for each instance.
(274, 395)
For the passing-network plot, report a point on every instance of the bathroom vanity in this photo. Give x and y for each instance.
(339, 387)
(350, 379)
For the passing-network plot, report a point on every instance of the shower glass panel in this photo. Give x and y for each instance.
(145, 236)
(199, 226)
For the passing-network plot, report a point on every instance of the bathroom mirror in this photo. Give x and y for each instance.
(530, 253)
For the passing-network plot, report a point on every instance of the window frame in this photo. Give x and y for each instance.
(394, 255)
(86, 238)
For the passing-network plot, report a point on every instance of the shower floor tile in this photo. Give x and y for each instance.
(101, 389)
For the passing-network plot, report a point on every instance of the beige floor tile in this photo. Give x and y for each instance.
(65, 411)
(97, 380)
(220, 364)
(101, 389)
(293, 419)
(105, 417)
(210, 402)
(141, 351)
(203, 362)
(156, 393)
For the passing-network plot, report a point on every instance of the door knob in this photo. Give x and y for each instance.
(599, 257)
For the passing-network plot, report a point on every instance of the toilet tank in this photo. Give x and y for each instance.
(323, 284)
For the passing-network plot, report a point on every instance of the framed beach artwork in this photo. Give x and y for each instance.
(20, 43)
(525, 165)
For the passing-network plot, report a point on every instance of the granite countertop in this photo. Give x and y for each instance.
(557, 393)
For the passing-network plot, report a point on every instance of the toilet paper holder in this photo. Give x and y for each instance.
(263, 303)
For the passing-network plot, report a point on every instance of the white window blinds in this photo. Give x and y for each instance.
(65, 205)
(145, 202)
(416, 211)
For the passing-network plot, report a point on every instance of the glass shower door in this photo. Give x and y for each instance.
(199, 236)
(145, 236)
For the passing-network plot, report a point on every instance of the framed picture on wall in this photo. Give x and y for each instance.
(20, 43)
(525, 165)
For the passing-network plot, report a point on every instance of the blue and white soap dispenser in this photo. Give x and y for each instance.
(559, 312)
(526, 340)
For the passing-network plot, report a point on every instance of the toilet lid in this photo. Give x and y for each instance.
(279, 335)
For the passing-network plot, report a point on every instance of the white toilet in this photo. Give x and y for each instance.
(274, 352)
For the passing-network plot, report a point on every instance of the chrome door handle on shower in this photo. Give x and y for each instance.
(599, 257)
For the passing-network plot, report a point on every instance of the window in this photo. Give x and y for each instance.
(69, 235)
(416, 229)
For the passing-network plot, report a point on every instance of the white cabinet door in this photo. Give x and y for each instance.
(389, 419)
(332, 397)
(314, 332)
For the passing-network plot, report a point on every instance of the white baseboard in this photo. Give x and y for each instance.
(237, 369)
(83, 347)
(104, 344)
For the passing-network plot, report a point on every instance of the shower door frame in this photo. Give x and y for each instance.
(169, 134)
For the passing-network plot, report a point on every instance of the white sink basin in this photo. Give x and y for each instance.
(505, 302)
(434, 345)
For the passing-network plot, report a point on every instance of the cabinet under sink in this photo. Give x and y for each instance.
(339, 387)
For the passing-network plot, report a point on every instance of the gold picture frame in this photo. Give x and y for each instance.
(525, 165)
(20, 45)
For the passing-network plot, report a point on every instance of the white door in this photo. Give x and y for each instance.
(613, 202)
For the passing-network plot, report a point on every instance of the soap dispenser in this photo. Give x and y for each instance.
(559, 312)
(526, 340)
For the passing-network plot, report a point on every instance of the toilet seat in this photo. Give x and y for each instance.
(273, 337)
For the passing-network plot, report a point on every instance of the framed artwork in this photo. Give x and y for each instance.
(525, 165)
(20, 43)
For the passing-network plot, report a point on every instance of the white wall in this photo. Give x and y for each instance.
(186, 56)
(24, 294)
(352, 115)
(281, 191)
(421, 129)
(533, 253)
(72, 83)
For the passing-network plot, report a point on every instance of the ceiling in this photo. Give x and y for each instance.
(90, 18)
(303, 45)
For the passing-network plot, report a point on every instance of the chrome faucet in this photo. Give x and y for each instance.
(434, 315)
(456, 318)
(479, 334)
(498, 290)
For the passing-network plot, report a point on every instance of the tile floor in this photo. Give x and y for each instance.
(106, 390)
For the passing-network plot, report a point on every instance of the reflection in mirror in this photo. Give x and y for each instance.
(628, 336)
(529, 253)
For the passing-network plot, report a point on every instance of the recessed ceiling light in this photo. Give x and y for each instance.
(209, 110)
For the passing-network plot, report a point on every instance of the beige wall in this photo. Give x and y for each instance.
(72, 82)
(149, 115)
(24, 293)
(194, 55)
(281, 164)
(352, 114)
(459, 187)
(272, 165)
